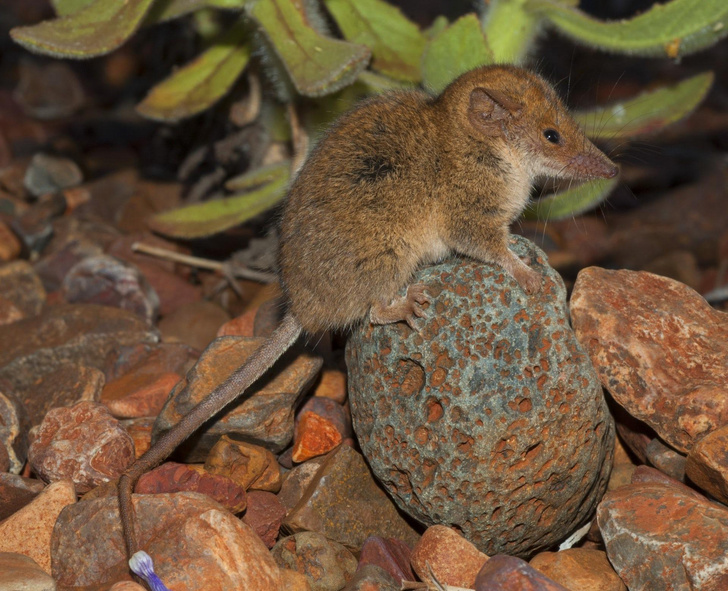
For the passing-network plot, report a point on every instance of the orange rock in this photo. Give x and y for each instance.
(251, 466)
(707, 464)
(9, 244)
(240, 326)
(453, 560)
(315, 436)
(579, 569)
(332, 385)
(138, 394)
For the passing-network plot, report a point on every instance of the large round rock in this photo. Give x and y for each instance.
(490, 417)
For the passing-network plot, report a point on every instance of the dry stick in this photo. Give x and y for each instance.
(235, 384)
(185, 259)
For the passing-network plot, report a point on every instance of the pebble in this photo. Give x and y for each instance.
(344, 503)
(173, 477)
(50, 174)
(83, 443)
(195, 324)
(48, 90)
(59, 259)
(21, 285)
(579, 569)
(263, 415)
(326, 564)
(109, 281)
(314, 436)
(371, 577)
(9, 312)
(658, 347)
(332, 384)
(388, 554)
(14, 426)
(508, 573)
(81, 334)
(16, 492)
(127, 586)
(659, 537)
(139, 394)
(453, 560)
(10, 246)
(151, 358)
(297, 481)
(140, 430)
(707, 464)
(20, 573)
(494, 386)
(265, 514)
(666, 459)
(251, 466)
(28, 531)
(195, 544)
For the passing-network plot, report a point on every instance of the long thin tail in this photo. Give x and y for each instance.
(237, 383)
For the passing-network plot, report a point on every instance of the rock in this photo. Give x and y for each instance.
(495, 387)
(64, 386)
(172, 477)
(371, 577)
(194, 324)
(28, 531)
(388, 554)
(59, 259)
(666, 459)
(326, 564)
(265, 514)
(139, 394)
(50, 174)
(294, 581)
(579, 569)
(508, 573)
(48, 91)
(14, 425)
(10, 246)
(140, 430)
(658, 347)
(126, 586)
(298, 480)
(621, 475)
(661, 538)
(109, 281)
(195, 543)
(453, 560)
(20, 285)
(264, 415)
(16, 492)
(332, 385)
(20, 573)
(345, 504)
(644, 474)
(707, 464)
(83, 334)
(680, 265)
(83, 443)
(251, 466)
(9, 312)
(315, 436)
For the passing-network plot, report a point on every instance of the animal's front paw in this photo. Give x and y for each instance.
(528, 279)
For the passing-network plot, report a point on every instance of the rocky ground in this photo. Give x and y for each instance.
(478, 452)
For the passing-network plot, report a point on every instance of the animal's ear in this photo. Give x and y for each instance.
(489, 109)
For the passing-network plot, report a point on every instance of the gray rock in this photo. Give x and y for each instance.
(490, 417)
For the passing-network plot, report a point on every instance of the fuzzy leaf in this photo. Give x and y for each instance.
(199, 84)
(572, 201)
(259, 176)
(376, 83)
(648, 112)
(317, 65)
(165, 10)
(455, 50)
(205, 219)
(66, 7)
(395, 41)
(99, 28)
(674, 29)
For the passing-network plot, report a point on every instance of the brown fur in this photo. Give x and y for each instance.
(404, 179)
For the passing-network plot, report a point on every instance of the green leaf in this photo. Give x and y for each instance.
(165, 10)
(66, 7)
(99, 28)
(376, 83)
(396, 42)
(510, 29)
(259, 176)
(199, 84)
(317, 65)
(455, 50)
(205, 219)
(648, 112)
(438, 26)
(572, 201)
(674, 29)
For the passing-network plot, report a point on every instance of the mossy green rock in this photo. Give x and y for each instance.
(490, 417)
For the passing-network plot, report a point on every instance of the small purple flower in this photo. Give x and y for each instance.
(141, 565)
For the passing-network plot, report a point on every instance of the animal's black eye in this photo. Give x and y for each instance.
(552, 135)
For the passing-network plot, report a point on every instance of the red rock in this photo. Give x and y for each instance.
(332, 385)
(371, 577)
(579, 569)
(391, 555)
(240, 326)
(83, 443)
(251, 466)
(140, 431)
(265, 514)
(28, 531)
(658, 347)
(173, 477)
(326, 564)
(707, 464)
(659, 537)
(151, 358)
(9, 244)
(315, 436)
(138, 394)
(127, 586)
(16, 492)
(194, 324)
(646, 474)
(508, 573)
(453, 560)
(195, 544)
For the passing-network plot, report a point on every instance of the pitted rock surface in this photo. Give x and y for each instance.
(490, 417)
